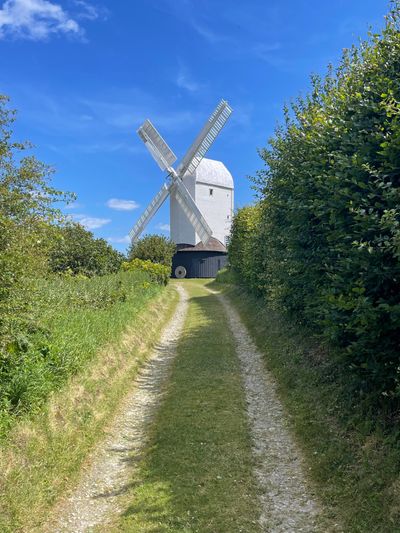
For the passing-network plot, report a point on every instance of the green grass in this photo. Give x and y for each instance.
(71, 319)
(355, 467)
(196, 474)
(100, 332)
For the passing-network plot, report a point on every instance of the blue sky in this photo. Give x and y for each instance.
(84, 75)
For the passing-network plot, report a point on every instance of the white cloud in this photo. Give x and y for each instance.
(35, 20)
(91, 222)
(89, 11)
(184, 81)
(122, 205)
(120, 240)
(163, 227)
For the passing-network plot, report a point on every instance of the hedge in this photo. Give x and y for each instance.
(326, 243)
(157, 272)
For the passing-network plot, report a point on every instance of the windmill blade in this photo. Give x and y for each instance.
(149, 212)
(192, 212)
(205, 139)
(156, 145)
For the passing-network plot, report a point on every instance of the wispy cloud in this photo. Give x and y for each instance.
(120, 240)
(91, 222)
(208, 34)
(89, 11)
(184, 81)
(163, 227)
(122, 205)
(38, 20)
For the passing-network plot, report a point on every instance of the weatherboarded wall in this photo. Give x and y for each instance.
(200, 264)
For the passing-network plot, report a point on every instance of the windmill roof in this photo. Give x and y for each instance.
(213, 245)
(214, 173)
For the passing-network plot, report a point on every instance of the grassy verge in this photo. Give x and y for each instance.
(196, 474)
(355, 467)
(43, 452)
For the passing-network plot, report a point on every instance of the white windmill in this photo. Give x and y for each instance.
(192, 216)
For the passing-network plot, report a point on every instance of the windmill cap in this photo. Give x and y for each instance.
(213, 172)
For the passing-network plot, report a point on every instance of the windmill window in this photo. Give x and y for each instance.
(211, 192)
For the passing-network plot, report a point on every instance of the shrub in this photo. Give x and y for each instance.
(157, 272)
(329, 227)
(77, 251)
(155, 248)
(26, 215)
(242, 249)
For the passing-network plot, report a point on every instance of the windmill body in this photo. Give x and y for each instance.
(211, 187)
(201, 199)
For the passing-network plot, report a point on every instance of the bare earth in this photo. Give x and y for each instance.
(97, 497)
(287, 501)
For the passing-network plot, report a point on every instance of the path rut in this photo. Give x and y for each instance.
(287, 500)
(97, 498)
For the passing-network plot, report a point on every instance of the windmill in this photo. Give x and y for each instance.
(175, 186)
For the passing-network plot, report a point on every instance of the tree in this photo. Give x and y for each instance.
(26, 214)
(155, 248)
(76, 250)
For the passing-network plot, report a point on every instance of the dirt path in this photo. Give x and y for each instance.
(97, 497)
(287, 501)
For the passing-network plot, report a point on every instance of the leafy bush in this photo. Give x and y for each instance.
(328, 235)
(155, 248)
(77, 251)
(226, 276)
(157, 272)
(242, 249)
(26, 216)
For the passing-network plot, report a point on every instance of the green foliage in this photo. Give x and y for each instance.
(157, 272)
(76, 251)
(26, 214)
(155, 248)
(226, 276)
(328, 236)
(74, 317)
(242, 249)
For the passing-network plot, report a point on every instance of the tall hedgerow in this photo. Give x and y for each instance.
(329, 228)
(243, 249)
(26, 214)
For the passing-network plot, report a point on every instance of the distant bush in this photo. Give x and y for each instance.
(157, 272)
(328, 234)
(77, 251)
(155, 248)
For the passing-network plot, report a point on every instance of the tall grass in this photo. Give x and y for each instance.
(72, 318)
(95, 336)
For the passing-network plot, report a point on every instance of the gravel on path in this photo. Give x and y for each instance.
(287, 500)
(97, 498)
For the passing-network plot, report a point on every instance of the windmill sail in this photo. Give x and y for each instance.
(205, 139)
(165, 158)
(150, 211)
(191, 211)
(156, 145)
